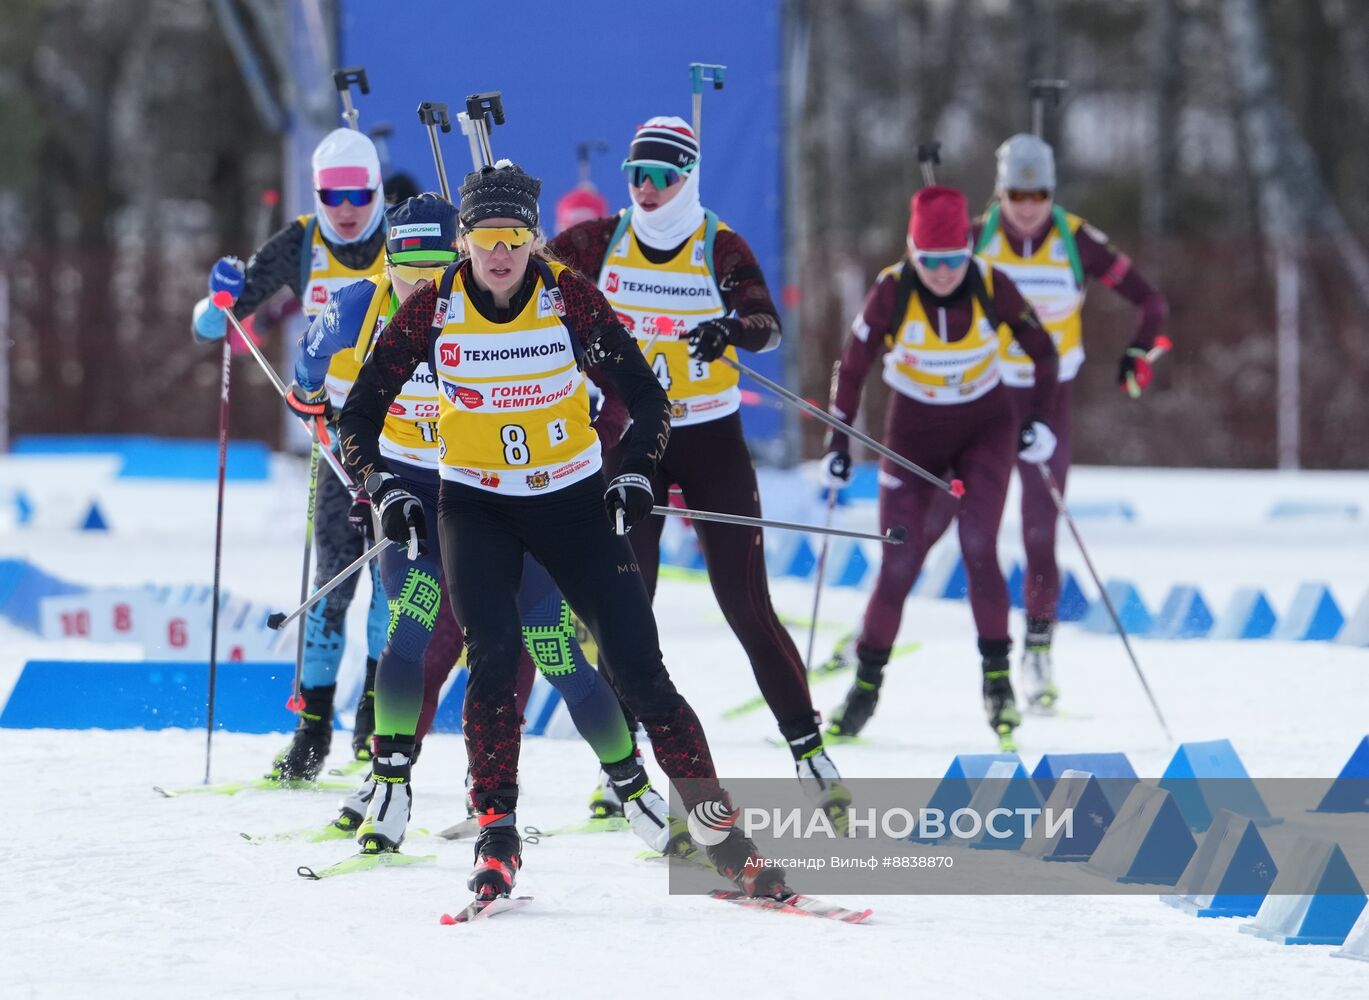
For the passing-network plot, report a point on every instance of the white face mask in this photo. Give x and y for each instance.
(675, 221)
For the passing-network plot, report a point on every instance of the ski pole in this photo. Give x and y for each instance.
(894, 536)
(955, 487)
(928, 158)
(295, 702)
(278, 620)
(224, 384)
(1044, 93)
(699, 74)
(826, 542)
(343, 80)
(1059, 500)
(433, 115)
(225, 302)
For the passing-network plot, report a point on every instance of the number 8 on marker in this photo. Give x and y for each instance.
(515, 444)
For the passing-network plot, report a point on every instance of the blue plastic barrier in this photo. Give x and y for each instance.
(1005, 786)
(1016, 580)
(957, 585)
(1126, 600)
(1298, 509)
(448, 717)
(1248, 615)
(1103, 510)
(1073, 604)
(1357, 941)
(94, 519)
(84, 694)
(1113, 770)
(1185, 615)
(1313, 615)
(1350, 791)
(157, 458)
(1148, 843)
(855, 569)
(957, 786)
(1079, 795)
(22, 589)
(1205, 777)
(1230, 875)
(1316, 898)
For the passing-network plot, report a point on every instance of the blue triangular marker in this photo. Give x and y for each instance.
(94, 520)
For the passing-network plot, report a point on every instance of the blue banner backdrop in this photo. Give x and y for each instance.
(594, 69)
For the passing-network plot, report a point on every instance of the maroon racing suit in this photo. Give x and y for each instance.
(974, 441)
(1112, 269)
(711, 464)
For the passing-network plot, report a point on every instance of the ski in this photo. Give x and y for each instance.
(690, 855)
(817, 675)
(364, 863)
(314, 834)
(483, 909)
(259, 785)
(802, 906)
(606, 824)
(355, 766)
(468, 827)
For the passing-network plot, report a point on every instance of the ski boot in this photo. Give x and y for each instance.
(1037, 671)
(646, 810)
(365, 723)
(713, 825)
(498, 848)
(352, 809)
(603, 802)
(818, 775)
(387, 815)
(303, 759)
(852, 715)
(999, 701)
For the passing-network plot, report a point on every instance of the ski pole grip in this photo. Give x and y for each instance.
(434, 115)
(345, 77)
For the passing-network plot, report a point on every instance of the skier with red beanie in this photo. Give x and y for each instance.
(940, 314)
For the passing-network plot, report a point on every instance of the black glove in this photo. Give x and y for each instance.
(309, 406)
(630, 493)
(400, 511)
(360, 519)
(709, 339)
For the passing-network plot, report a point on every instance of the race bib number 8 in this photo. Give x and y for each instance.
(515, 441)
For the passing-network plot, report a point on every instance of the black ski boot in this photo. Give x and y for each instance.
(365, 724)
(852, 715)
(712, 824)
(999, 701)
(303, 759)
(498, 848)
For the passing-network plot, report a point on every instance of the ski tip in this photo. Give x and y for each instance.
(163, 792)
(303, 871)
(447, 920)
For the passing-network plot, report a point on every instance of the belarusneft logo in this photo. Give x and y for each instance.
(1229, 837)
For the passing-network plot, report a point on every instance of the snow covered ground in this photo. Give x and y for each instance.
(112, 889)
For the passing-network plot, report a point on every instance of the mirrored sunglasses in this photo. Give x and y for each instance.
(487, 238)
(951, 260)
(333, 197)
(1036, 196)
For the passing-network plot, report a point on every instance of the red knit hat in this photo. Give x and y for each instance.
(579, 205)
(939, 219)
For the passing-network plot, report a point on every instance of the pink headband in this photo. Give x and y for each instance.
(342, 177)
